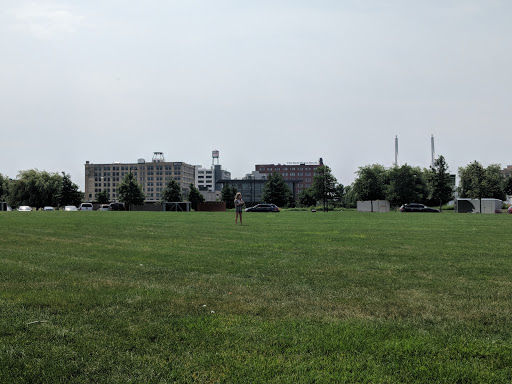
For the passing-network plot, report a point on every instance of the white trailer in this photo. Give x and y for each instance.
(477, 206)
(373, 206)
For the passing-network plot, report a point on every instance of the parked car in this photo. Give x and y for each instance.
(103, 207)
(70, 208)
(116, 207)
(85, 207)
(48, 208)
(263, 208)
(415, 207)
(24, 208)
(509, 210)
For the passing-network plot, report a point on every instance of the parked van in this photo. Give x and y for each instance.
(85, 207)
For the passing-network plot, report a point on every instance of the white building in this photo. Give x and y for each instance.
(206, 181)
(205, 178)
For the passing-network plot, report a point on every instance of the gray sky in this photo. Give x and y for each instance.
(261, 81)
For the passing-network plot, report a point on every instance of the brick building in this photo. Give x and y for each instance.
(301, 173)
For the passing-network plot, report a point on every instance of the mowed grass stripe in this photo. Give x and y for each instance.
(287, 297)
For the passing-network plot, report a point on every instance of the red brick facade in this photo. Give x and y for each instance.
(292, 171)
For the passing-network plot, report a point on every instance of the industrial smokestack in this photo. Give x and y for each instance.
(396, 151)
(433, 151)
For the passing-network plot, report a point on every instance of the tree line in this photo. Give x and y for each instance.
(399, 185)
(39, 189)
(433, 186)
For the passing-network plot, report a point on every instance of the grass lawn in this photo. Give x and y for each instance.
(292, 297)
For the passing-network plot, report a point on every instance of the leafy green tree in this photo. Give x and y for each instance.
(350, 197)
(306, 198)
(406, 184)
(130, 192)
(69, 193)
(472, 181)
(275, 190)
(494, 182)
(324, 185)
(339, 193)
(477, 182)
(291, 203)
(4, 187)
(171, 192)
(507, 185)
(441, 190)
(228, 194)
(35, 188)
(102, 197)
(370, 183)
(195, 197)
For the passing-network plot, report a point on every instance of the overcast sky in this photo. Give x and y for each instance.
(261, 81)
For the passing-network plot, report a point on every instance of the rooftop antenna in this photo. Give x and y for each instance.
(433, 150)
(396, 151)
(158, 157)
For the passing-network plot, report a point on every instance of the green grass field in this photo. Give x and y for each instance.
(293, 297)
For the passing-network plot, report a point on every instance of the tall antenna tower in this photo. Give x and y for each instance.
(433, 151)
(396, 151)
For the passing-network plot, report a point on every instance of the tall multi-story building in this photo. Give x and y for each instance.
(206, 177)
(301, 173)
(152, 176)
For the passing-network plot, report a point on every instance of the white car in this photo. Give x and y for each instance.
(70, 208)
(24, 208)
(85, 207)
(48, 208)
(104, 207)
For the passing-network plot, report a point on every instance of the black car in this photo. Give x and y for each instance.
(263, 208)
(116, 207)
(415, 207)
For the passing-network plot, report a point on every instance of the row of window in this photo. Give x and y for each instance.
(299, 174)
(277, 169)
(114, 179)
(108, 168)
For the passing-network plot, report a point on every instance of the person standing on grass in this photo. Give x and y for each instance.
(239, 204)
